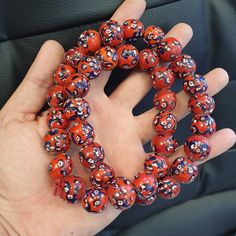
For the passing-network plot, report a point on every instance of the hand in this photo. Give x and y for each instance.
(27, 204)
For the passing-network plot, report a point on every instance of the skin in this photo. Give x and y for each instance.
(27, 204)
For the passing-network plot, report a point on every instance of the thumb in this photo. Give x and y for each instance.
(30, 96)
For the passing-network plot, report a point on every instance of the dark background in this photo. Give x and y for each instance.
(26, 24)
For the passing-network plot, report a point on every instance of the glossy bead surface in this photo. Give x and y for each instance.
(94, 199)
(168, 188)
(145, 184)
(148, 60)
(197, 148)
(165, 122)
(128, 56)
(169, 49)
(62, 73)
(56, 96)
(73, 56)
(72, 188)
(56, 118)
(157, 164)
(203, 124)
(184, 170)
(201, 103)
(111, 33)
(146, 201)
(90, 66)
(133, 30)
(77, 85)
(183, 66)
(89, 41)
(56, 141)
(108, 57)
(164, 144)
(194, 84)
(153, 35)
(91, 155)
(76, 109)
(165, 100)
(101, 175)
(82, 133)
(121, 193)
(162, 78)
(60, 166)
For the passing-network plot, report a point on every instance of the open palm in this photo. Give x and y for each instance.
(27, 204)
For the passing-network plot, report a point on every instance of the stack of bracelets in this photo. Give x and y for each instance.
(106, 50)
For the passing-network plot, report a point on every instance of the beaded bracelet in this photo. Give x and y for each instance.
(106, 49)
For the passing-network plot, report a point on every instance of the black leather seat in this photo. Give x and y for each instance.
(25, 25)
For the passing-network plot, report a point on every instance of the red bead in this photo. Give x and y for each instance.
(90, 66)
(197, 148)
(148, 60)
(121, 193)
(162, 78)
(62, 73)
(77, 85)
(56, 118)
(164, 144)
(165, 122)
(169, 49)
(60, 166)
(183, 66)
(153, 35)
(72, 188)
(89, 41)
(194, 84)
(111, 33)
(101, 175)
(73, 56)
(56, 140)
(165, 100)
(76, 109)
(94, 199)
(133, 30)
(82, 133)
(168, 188)
(203, 124)
(201, 103)
(184, 170)
(91, 155)
(157, 164)
(145, 184)
(146, 201)
(108, 57)
(56, 96)
(128, 56)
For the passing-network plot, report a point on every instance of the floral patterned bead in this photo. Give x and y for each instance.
(82, 133)
(56, 141)
(76, 109)
(56, 96)
(157, 164)
(94, 199)
(73, 56)
(148, 60)
(153, 35)
(184, 170)
(121, 193)
(62, 73)
(89, 41)
(133, 30)
(56, 118)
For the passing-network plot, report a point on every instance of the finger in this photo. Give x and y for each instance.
(31, 94)
(140, 80)
(131, 9)
(216, 79)
(220, 142)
